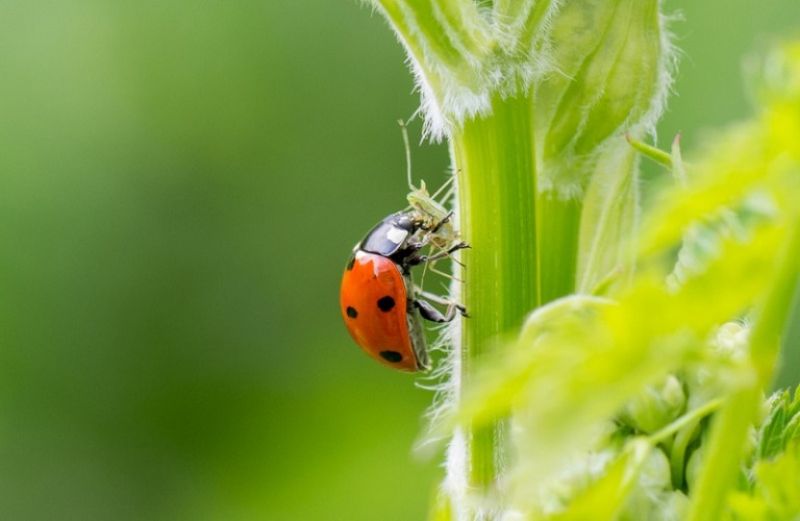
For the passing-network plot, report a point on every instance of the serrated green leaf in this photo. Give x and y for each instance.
(771, 435)
(792, 431)
(776, 493)
(781, 426)
(729, 432)
(703, 239)
(743, 161)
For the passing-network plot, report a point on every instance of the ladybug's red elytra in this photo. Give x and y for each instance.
(381, 307)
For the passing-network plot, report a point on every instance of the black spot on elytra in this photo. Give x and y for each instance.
(351, 262)
(351, 312)
(391, 356)
(386, 303)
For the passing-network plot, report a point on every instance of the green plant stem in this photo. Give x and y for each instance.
(678, 451)
(730, 426)
(558, 226)
(651, 152)
(524, 249)
(690, 417)
(494, 161)
(722, 459)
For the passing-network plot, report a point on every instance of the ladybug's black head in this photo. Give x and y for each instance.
(391, 236)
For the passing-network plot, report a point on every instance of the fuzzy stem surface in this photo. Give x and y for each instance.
(494, 161)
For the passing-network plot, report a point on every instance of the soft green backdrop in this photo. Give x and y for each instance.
(181, 185)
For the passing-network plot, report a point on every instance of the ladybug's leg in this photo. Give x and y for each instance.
(458, 262)
(452, 307)
(430, 260)
(430, 267)
(442, 254)
(428, 234)
(429, 312)
(436, 298)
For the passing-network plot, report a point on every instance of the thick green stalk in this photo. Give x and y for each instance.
(494, 161)
(524, 248)
(558, 225)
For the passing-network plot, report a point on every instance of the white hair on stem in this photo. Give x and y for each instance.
(462, 82)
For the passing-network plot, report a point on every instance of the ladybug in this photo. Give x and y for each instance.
(381, 306)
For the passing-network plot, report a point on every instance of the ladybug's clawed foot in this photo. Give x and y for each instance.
(428, 312)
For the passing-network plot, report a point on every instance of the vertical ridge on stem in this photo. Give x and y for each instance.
(494, 161)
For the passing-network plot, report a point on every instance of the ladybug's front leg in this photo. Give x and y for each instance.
(416, 259)
(445, 253)
(428, 312)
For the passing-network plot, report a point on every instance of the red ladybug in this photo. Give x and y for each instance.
(380, 305)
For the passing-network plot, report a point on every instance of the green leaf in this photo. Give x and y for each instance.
(776, 494)
(781, 425)
(771, 435)
(728, 435)
(703, 239)
(743, 162)
(608, 221)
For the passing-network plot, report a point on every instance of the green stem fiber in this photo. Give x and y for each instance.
(524, 248)
(494, 162)
(558, 226)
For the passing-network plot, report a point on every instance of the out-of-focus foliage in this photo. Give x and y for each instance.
(588, 372)
(781, 427)
(772, 492)
(181, 185)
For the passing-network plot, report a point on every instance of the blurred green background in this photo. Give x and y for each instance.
(181, 185)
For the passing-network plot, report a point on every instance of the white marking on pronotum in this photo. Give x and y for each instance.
(396, 235)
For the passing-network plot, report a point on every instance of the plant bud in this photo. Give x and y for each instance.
(652, 497)
(731, 339)
(610, 77)
(656, 406)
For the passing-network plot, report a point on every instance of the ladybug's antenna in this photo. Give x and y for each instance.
(407, 147)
